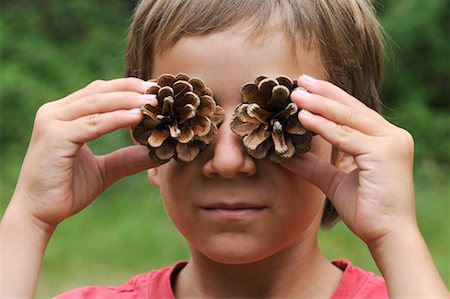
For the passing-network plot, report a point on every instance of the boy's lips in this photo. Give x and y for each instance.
(233, 211)
(233, 206)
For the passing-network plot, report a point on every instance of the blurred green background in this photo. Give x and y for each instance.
(51, 48)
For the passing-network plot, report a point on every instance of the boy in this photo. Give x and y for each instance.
(251, 225)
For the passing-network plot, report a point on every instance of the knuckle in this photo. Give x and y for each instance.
(96, 83)
(45, 124)
(44, 112)
(400, 144)
(93, 100)
(352, 115)
(94, 122)
(405, 141)
(406, 137)
(343, 133)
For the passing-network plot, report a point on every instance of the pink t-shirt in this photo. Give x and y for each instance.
(355, 283)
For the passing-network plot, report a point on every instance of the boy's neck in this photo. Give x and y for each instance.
(297, 272)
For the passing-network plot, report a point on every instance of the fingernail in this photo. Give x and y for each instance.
(307, 78)
(148, 98)
(306, 113)
(300, 91)
(135, 111)
(148, 84)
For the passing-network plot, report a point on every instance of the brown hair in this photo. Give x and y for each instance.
(345, 33)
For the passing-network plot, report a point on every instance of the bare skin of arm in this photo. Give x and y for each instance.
(60, 175)
(376, 199)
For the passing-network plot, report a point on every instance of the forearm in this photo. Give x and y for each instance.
(22, 245)
(407, 266)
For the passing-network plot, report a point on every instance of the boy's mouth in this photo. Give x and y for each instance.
(234, 206)
(235, 211)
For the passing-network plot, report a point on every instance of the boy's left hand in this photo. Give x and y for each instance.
(376, 198)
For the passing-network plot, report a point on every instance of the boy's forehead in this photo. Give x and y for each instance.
(231, 56)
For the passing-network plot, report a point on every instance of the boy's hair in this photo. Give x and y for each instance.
(345, 33)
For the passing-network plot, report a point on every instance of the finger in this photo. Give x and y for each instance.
(329, 90)
(102, 86)
(93, 126)
(339, 113)
(344, 138)
(104, 102)
(124, 162)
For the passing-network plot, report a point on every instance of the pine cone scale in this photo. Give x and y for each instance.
(280, 97)
(186, 134)
(261, 151)
(294, 127)
(187, 152)
(157, 137)
(166, 150)
(265, 87)
(250, 94)
(188, 98)
(166, 80)
(218, 116)
(255, 138)
(207, 106)
(279, 142)
(256, 112)
(151, 111)
(181, 87)
(243, 128)
(201, 126)
(187, 112)
(198, 86)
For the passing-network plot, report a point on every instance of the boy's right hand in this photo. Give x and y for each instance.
(60, 175)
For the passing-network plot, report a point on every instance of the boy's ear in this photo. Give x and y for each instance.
(153, 177)
(345, 162)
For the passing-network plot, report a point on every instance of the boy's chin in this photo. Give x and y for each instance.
(235, 253)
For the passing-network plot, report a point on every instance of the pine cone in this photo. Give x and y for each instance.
(184, 122)
(268, 120)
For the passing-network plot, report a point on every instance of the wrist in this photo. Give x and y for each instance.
(23, 240)
(17, 217)
(406, 264)
(400, 237)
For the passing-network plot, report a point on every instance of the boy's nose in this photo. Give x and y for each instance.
(229, 157)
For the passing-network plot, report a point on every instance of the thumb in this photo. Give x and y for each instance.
(337, 185)
(124, 162)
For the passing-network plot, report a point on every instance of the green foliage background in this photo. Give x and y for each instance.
(51, 48)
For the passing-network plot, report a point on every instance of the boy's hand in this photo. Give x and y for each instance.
(60, 175)
(377, 197)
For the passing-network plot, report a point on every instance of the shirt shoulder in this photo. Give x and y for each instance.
(154, 284)
(357, 283)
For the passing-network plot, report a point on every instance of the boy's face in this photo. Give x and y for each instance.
(230, 207)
